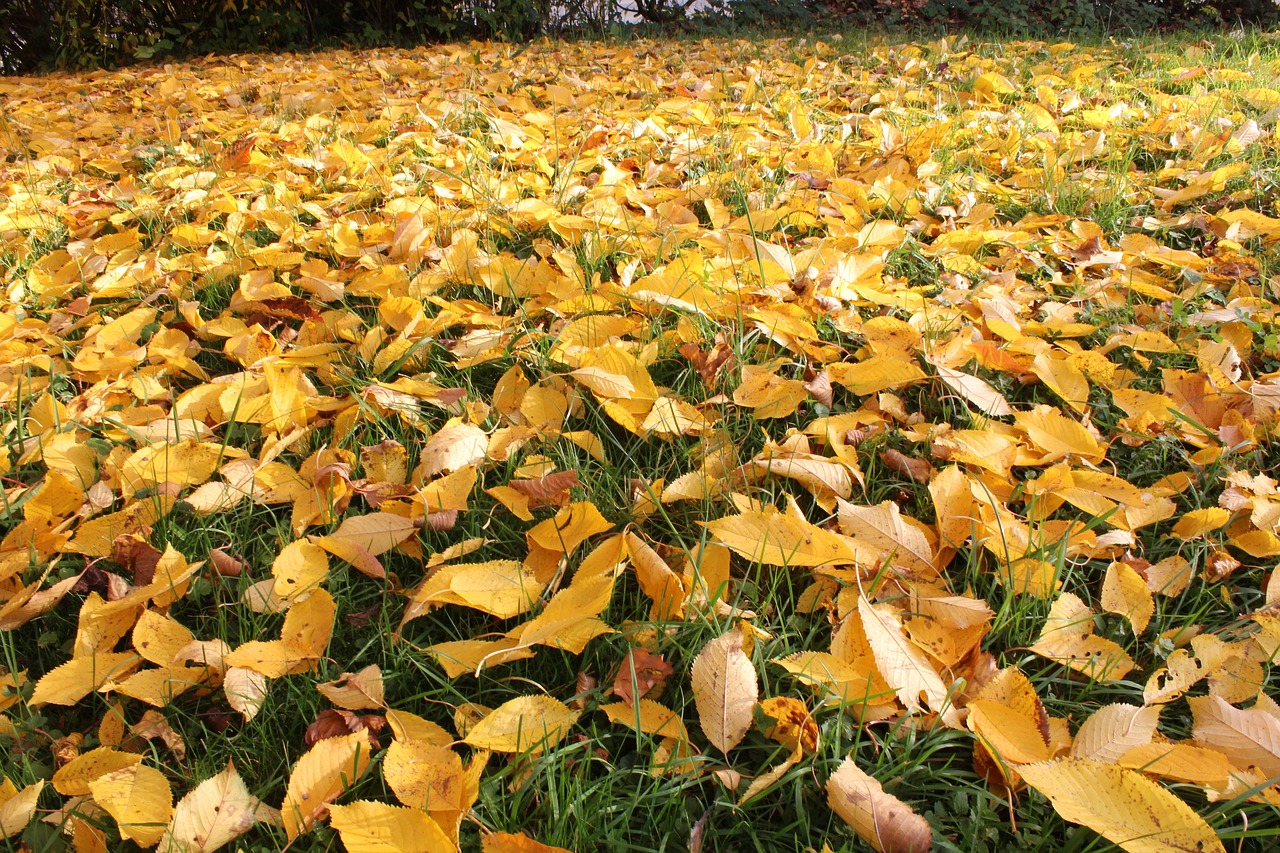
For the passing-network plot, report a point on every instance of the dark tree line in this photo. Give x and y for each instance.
(38, 35)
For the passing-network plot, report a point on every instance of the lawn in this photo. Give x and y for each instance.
(708, 445)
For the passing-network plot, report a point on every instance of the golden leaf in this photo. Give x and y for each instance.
(775, 539)
(371, 827)
(1113, 730)
(507, 842)
(140, 800)
(523, 724)
(1120, 805)
(17, 807)
(903, 665)
(326, 770)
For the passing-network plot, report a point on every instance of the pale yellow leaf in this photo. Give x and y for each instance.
(214, 813)
(904, 666)
(17, 810)
(1250, 737)
(725, 689)
(1113, 730)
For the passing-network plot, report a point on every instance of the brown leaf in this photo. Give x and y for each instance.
(551, 490)
(134, 554)
(917, 469)
(337, 723)
(226, 565)
(643, 675)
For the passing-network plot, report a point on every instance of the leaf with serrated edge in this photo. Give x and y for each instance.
(371, 827)
(140, 800)
(330, 767)
(214, 813)
(1113, 730)
(904, 666)
(523, 724)
(725, 690)
(1122, 806)
(880, 819)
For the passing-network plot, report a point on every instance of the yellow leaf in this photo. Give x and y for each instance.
(140, 800)
(299, 567)
(73, 778)
(159, 638)
(1182, 762)
(406, 727)
(214, 813)
(880, 819)
(903, 540)
(17, 808)
(769, 395)
(308, 626)
(507, 842)
(569, 620)
(648, 716)
(245, 689)
(903, 665)
(988, 400)
(1125, 592)
(524, 724)
(1009, 735)
(376, 533)
(78, 677)
(1200, 522)
(876, 374)
(448, 492)
(451, 448)
(775, 539)
(1059, 436)
(355, 690)
(1122, 806)
(372, 827)
(1113, 730)
(499, 587)
(856, 684)
(330, 767)
(825, 478)
(657, 580)
(1250, 737)
(1068, 638)
(569, 527)
(725, 689)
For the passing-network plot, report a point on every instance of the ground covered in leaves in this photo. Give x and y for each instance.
(713, 445)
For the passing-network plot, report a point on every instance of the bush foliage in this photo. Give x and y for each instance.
(42, 34)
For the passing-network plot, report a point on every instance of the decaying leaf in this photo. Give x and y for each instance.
(880, 819)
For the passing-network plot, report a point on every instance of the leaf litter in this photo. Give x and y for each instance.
(919, 320)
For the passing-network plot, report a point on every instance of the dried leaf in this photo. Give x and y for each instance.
(880, 819)
(725, 689)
